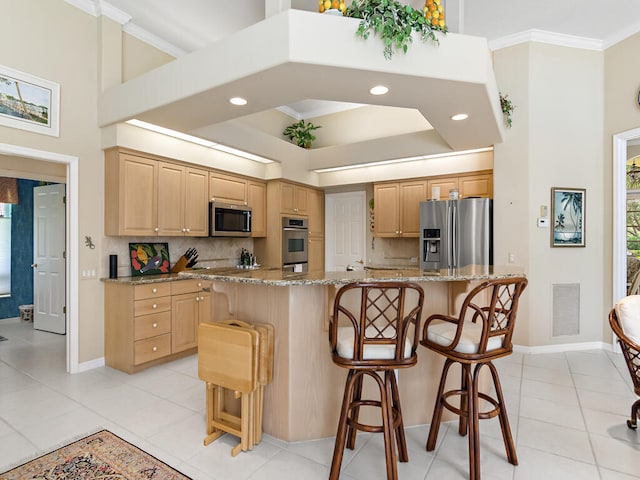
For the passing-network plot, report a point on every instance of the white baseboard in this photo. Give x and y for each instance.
(565, 347)
(91, 364)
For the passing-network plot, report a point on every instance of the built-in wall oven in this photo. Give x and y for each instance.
(295, 244)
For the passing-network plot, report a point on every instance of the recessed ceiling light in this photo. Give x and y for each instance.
(378, 90)
(238, 101)
(459, 116)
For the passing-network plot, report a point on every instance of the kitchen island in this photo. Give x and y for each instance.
(303, 400)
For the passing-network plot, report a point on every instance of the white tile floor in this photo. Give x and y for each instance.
(568, 416)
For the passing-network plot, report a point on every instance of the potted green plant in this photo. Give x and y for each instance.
(301, 134)
(393, 21)
(507, 107)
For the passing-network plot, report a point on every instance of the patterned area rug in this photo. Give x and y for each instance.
(102, 455)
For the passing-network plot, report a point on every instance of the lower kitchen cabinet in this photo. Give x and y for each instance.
(153, 323)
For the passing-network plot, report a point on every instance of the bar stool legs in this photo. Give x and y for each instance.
(469, 413)
(392, 426)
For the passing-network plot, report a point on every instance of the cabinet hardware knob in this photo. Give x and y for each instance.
(197, 299)
(154, 305)
(188, 230)
(199, 284)
(156, 229)
(155, 325)
(155, 349)
(154, 290)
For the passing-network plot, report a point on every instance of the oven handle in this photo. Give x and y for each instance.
(292, 229)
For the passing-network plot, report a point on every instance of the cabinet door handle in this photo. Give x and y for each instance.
(154, 306)
(154, 349)
(197, 299)
(199, 284)
(156, 229)
(154, 290)
(188, 230)
(155, 325)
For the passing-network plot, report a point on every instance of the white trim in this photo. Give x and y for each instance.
(73, 187)
(112, 12)
(564, 347)
(621, 35)
(619, 212)
(91, 364)
(153, 40)
(87, 6)
(552, 38)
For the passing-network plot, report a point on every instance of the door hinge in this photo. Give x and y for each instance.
(64, 309)
(64, 199)
(64, 254)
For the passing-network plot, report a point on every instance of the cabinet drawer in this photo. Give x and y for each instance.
(147, 326)
(151, 348)
(152, 305)
(152, 290)
(189, 286)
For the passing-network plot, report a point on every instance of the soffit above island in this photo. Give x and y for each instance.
(298, 55)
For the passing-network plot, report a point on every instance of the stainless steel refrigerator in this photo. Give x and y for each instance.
(456, 233)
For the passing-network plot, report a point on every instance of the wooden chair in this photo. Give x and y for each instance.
(373, 331)
(480, 334)
(630, 351)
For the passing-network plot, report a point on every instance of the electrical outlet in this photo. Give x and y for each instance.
(512, 258)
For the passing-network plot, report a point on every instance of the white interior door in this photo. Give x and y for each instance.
(48, 258)
(345, 228)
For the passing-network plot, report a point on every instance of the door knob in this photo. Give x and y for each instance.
(34, 265)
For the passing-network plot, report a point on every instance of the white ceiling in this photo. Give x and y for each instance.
(185, 26)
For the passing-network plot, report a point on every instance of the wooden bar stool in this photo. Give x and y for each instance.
(624, 319)
(481, 333)
(373, 331)
(236, 356)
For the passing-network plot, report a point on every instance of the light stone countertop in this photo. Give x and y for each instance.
(279, 278)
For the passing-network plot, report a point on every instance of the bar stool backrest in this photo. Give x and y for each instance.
(376, 324)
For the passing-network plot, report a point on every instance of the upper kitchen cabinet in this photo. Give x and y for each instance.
(315, 209)
(146, 196)
(397, 208)
(227, 188)
(444, 184)
(257, 200)
(182, 201)
(131, 194)
(293, 198)
(480, 185)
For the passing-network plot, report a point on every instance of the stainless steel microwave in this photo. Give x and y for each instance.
(227, 220)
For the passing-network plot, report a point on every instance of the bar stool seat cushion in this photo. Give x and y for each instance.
(442, 333)
(371, 351)
(628, 312)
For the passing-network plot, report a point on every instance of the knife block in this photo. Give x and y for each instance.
(180, 265)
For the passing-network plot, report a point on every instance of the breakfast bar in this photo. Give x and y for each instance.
(303, 400)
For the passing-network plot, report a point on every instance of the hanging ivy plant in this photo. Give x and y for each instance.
(507, 107)
(393, 22)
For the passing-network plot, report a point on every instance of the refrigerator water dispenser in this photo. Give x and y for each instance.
(431, 245)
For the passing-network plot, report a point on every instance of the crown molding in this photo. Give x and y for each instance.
(97, 8)
(153, 40)
(621, 35)
(543, 36)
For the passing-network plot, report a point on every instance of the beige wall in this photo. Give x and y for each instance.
(556, 141)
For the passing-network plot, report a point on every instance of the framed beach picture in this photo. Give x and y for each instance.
(28, 102)
(149, 258)
(567, 215)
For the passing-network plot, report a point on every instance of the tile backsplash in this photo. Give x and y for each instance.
(212, 252)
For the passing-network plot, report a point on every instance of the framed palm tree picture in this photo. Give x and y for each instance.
(567, 215)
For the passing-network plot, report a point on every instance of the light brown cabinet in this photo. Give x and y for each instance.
(182, 201)
(131, 194)
(190, 305)
(152, 323)
(257, 199)
(293, 199)
(289, 199)
(445, 185)
(476, 185)
(146, 196)
(227, 188)
(397, 208)
(316, 253)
